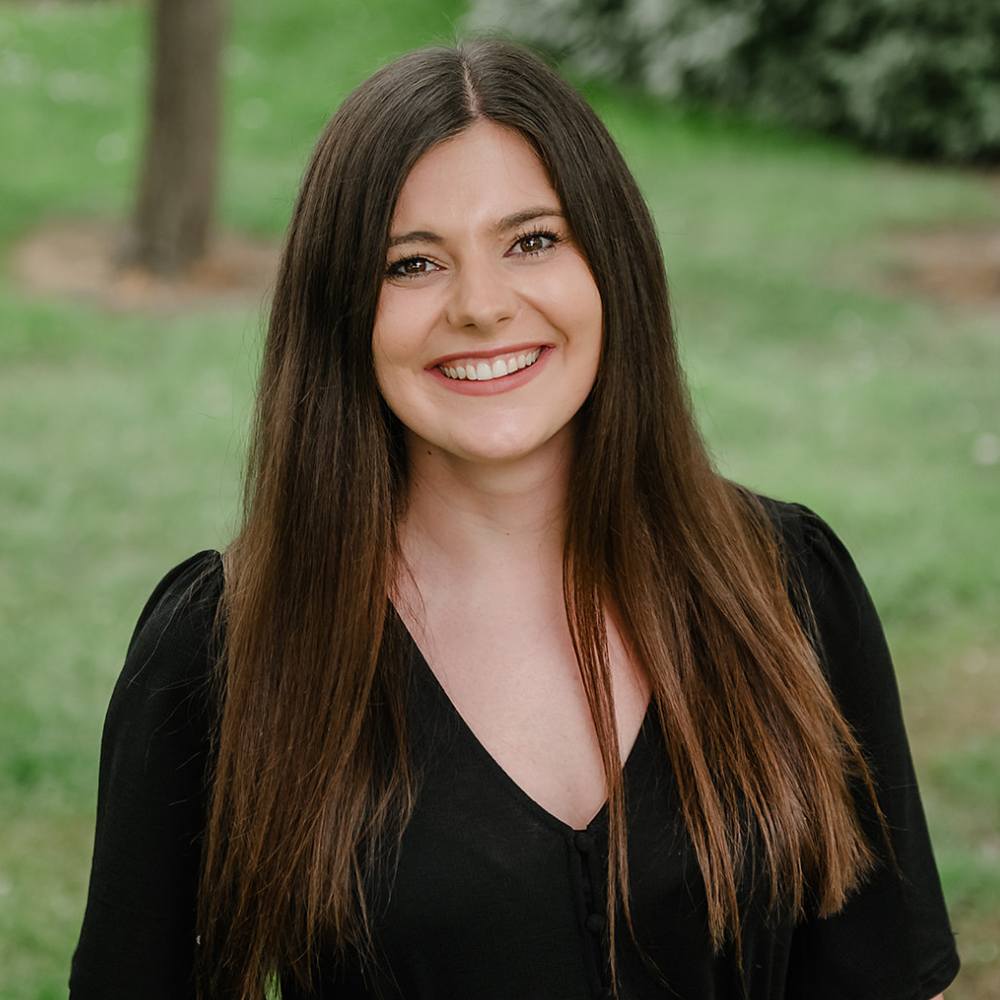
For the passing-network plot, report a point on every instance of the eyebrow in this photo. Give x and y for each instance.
(504, 224)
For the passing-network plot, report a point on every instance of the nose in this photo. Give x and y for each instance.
(481, 296)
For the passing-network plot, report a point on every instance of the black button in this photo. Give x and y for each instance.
(584, 842)
(594, 922)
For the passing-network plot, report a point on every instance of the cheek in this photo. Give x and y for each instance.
(398, 351)
(387, 376)
(584, 315)
(396, 339)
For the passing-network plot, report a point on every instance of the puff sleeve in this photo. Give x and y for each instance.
(892, 940)
(137, 937)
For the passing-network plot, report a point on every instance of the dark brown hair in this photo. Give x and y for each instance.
(312, 778)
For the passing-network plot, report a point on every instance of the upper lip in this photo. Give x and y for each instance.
(492, 353)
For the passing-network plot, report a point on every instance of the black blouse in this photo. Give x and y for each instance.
(495, 897)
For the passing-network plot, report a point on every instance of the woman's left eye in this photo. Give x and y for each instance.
(537, 234)
(399, 268)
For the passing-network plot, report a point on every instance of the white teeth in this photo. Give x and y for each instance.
(483, 371)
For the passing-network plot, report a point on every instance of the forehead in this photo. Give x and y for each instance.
(484, 172)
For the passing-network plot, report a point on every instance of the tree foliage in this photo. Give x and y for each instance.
(917, 78)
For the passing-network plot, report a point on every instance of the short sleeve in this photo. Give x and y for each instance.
(892, 940)
(137, 937)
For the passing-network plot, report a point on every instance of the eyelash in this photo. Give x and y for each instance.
(393, 272)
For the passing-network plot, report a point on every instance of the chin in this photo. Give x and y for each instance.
(507, 450)
(501, 445)
(496, 454)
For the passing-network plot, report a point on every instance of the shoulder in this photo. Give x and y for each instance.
(181, 609)
(185, 596)
(837, 611)
(803, 534)
(174, 642)
(818, 563)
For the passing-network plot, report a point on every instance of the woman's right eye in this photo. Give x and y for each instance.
(399, 269)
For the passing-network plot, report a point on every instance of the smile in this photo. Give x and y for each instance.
(472, 376)
(477, 370)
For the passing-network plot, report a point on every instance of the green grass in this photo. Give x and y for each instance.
(123, 434)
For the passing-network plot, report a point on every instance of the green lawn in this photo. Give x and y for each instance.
(122, 435)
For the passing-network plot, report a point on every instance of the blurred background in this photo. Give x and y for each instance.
(826, 184)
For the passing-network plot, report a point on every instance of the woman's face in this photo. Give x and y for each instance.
(483, 278)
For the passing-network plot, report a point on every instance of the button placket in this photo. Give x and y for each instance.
(593, 918)
(587, 846)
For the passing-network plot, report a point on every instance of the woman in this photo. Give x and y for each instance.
(501, 690)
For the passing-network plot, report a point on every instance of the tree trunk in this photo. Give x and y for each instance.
(174, 210)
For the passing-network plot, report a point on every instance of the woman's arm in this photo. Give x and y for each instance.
(138, 933)
(892, 936)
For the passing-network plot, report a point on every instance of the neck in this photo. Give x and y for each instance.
(471, 521)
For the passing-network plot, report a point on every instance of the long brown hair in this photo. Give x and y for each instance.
(312, 779)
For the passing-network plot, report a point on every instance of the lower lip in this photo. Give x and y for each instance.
(490, 387)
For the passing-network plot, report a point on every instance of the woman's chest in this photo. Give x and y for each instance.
(494, 897)
(513, 683)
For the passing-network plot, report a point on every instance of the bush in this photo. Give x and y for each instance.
(919, 78)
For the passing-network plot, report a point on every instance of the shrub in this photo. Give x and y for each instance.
(918, 78)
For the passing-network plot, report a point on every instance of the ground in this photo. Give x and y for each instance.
(959, 266)
(75, 258)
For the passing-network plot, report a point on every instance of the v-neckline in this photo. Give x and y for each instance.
(493, 765)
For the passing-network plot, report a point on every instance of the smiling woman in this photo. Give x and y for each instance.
(501, 690)
(496, 309)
